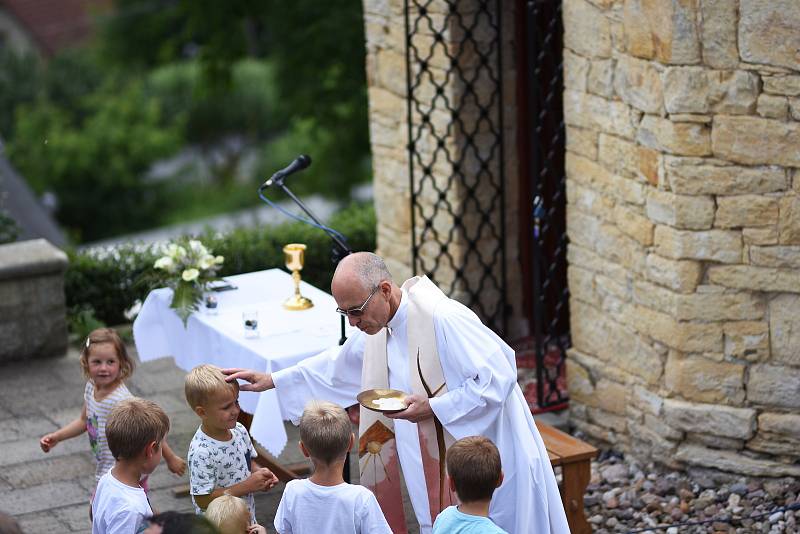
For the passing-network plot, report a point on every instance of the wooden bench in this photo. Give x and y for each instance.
(575, 459)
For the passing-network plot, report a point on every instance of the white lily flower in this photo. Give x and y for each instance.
(219, 259)
(165, 262)
(197, 247)
(206, 262)
(190, 275)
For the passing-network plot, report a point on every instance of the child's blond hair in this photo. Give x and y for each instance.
(203, 382)
(132, 425)
(229, 514)
(106, 335)
(325, 431)
(474, 465)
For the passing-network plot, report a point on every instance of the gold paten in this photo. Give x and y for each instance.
(294, 257)
(367, 398)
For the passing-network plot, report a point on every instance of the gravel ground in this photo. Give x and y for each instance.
(624, 496)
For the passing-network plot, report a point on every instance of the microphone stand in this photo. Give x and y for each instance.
(339, 250)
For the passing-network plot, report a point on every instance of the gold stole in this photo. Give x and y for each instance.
(378, 460)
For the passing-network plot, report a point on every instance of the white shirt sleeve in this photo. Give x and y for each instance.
(372, 518)
(333, 375)
(282, 523)
(478, 370)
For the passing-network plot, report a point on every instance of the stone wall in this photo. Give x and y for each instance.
(32, 306)
(683, 165)
(388, 112)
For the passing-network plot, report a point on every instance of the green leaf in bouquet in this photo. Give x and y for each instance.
(185, 300)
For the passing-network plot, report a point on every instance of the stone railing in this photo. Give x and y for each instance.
(32, 305)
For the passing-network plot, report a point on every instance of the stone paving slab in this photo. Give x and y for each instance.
(51, 469)
(15, 429)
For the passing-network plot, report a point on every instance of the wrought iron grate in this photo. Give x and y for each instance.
(455, 129)
(544, 45)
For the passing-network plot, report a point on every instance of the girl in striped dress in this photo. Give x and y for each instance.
(105, 362)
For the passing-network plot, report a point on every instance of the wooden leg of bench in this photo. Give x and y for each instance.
(576, 477)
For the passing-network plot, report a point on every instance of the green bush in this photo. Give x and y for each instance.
(103, 283)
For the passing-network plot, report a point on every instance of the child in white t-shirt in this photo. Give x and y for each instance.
(135, 431)
(325, 502)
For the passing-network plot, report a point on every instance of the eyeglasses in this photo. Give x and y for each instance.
(359, 311)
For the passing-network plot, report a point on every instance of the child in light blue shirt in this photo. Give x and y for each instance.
(474, 472)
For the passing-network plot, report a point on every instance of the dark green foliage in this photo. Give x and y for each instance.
(9, 229)
(95, 161)
(20, 81)
(108, 282)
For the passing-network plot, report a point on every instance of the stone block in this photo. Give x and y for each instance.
(773, 107)
(587, 259)
(580, 384)
(776, 444)
(739, 423)
(787, 85)
(775, 256)
(768, 32)
(611, 243)
(628, 159)
(681, 211)
(611, 396)
(582, 142)
(591, 174)
(680, 138)
(732, 92)
(596, 113)
(681, 276)
(576, 70)
(753, 277)
(692, 176)
(714, 441)
(787, 424)
(746, 340)
(683, 336)
(719, 306)
(719, 33)
(601, 77)
(590, 201)
(760, 236)
(634, 225)
(794, 108)
(789, 222)
(638, 84)
(664, 30)
(746, 210)
(733, 462)
(586, 29)
(686, 90)
(724, 246)
(774, 385)
(660, 427)
(647, 401)
(784, 329)
(702, 380)
(756, 141)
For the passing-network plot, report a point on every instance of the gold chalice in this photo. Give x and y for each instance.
(294, 257)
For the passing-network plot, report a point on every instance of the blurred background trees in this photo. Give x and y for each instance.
(178, 109)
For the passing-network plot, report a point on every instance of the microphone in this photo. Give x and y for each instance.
(301, 162)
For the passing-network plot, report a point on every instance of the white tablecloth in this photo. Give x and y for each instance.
(286, 337)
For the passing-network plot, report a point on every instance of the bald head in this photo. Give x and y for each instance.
(363, 268)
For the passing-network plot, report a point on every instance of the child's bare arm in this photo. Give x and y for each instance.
(175, 463)
(72, 429)
(261, 479)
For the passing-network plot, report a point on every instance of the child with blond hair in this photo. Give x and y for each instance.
(231, 516)
(324, 502)
(135, 433)
(474, 472)
(221, 452)
(106, 365)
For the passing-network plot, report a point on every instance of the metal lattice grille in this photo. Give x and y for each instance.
(548, 179)
(456, 151)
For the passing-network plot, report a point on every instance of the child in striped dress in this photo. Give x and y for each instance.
(105, 362)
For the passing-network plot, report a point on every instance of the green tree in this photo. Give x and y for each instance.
(95, 159)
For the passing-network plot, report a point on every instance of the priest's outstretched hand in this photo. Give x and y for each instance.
(418, 409)
(258, 381)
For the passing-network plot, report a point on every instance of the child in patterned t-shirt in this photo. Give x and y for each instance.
(106, 364)
(221, 452)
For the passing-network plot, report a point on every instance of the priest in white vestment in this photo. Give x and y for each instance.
(479, 396)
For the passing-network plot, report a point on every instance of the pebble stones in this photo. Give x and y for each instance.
(623, 496)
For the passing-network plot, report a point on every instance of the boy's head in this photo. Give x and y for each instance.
(179, 523)
(473, 464)
(213, 399)
(325, 432)
(135, 429)
(107, 340)
(229, 514)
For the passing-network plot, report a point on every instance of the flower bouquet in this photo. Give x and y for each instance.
(187, 267)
